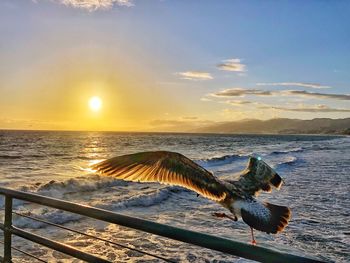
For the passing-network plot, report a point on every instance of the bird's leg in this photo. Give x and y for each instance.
(221, 215)
(253, 239)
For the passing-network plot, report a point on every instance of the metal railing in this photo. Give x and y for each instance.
(203, 240)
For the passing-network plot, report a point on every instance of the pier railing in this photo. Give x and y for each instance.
(199, 239)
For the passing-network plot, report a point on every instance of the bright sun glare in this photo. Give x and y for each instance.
(95, 103)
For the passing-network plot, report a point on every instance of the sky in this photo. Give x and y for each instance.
(162, 65)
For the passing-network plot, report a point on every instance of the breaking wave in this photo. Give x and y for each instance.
(142, 200)
(61, 217)
(53, 216)
(78, 185)
(221, 160)
(289, 161)
(87, 183)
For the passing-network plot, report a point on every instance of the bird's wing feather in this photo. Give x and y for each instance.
(164, 167)
(258, 176)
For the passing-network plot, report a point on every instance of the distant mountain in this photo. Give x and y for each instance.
(281, 126)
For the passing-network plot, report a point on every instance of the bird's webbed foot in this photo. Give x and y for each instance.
(222, 215)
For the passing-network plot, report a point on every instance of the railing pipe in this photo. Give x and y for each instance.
(7, 229)
(69, 250)
(94, 237)
(23, 252)
(216, 243)
(66, 249)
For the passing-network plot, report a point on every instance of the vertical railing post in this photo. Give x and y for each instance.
(7, 229)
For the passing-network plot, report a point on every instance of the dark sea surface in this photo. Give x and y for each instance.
(316, 171)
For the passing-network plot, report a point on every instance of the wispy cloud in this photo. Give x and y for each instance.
(93, 5)
(240, 92)
(195, 75)
(206, 98)
(238, 102)
(317, 108)
(318, 95)
(295, 84)
(295, 108)
(233, 64)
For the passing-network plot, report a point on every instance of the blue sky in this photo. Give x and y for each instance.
(160, 64)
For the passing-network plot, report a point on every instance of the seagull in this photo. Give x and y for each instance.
(238, 196)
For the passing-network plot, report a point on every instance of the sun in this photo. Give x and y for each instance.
(95, 103)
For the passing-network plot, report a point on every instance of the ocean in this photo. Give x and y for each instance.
(315, 169)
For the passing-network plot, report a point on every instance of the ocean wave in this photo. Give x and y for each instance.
(317, 147)
(221, 160)
(85, 157)
(58, 154)
(26, 156)
(35, 156)
(289, 161)
(61, 217)
(80, 184)
(142, 200)
(6, 156)
(295, 150)
(53, 216)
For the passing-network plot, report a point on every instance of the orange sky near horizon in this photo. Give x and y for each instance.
(169, 66)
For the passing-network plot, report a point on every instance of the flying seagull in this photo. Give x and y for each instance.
(238, 196)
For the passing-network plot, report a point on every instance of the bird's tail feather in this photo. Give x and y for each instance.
(276, 220)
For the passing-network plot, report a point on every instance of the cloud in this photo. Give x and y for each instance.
(296, 84)
(195, 75)
(295, 108)
(240, 92)
(232, 65)
(238, 102)
(93, 5)
(317, 108)
(318, 95)
(206, 99)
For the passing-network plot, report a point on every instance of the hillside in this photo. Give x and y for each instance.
(282, 126)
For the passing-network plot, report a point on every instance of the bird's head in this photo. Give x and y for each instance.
(260, 169)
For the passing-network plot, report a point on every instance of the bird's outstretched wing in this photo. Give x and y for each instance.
(163, 167)
(258, 176)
